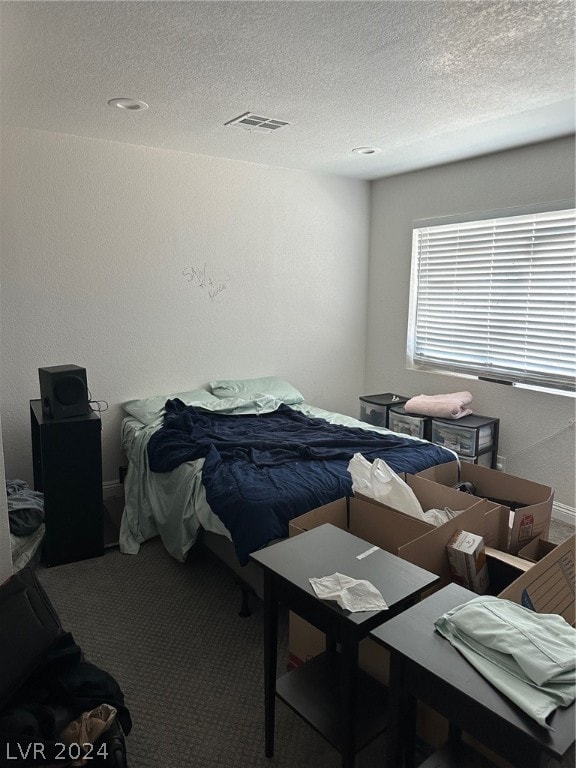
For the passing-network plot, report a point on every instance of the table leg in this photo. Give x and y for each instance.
(348, 690)
(454, 732)
(330, 646)
(401, 727)
(270, 658)
(408, 729)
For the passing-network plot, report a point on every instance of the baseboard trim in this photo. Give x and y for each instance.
(564, 513)
(111, 489)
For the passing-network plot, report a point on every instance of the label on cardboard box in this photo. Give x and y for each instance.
(467, 561)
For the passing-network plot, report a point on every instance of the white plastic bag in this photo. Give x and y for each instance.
(440, 516)
(377, 481)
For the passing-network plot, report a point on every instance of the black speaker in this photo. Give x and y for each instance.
(63, 391)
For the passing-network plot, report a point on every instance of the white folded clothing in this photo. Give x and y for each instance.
(449, 406)
(351, 594)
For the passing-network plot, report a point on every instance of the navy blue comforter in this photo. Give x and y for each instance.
(260, 471)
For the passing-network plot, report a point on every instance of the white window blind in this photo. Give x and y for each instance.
(496, 298)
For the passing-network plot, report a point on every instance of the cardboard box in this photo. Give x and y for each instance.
(548, 586)
(519, 564)
(432, 495)
(390, 530)
(363, 518)
(425, 545)
(366, 519)
(429, 551)
(536, 550)
(530, 520)
(467, 561)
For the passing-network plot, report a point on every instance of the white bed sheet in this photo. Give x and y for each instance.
(24, 548)
(173, 504)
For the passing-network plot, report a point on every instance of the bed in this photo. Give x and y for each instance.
(231, 465)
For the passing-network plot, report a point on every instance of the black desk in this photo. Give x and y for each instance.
(342, 703)
(424, 665)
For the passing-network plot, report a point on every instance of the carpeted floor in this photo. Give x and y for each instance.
(191, 669)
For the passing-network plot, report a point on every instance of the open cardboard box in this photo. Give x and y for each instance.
(433, 495)
(548, 586)
(536, 549)
(548, 583)
(390, 530)
(527, 522)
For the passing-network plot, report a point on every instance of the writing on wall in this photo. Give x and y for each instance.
(201, 278)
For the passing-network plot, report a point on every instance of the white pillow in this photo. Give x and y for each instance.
(149, 409)
(252, 389)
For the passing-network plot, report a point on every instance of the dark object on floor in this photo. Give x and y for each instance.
(465, 487)
(25, 508)
(45, 683)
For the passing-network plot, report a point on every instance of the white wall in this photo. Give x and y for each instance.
(96, 238)
(535, 174)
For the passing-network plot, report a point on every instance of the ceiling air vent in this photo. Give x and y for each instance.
(252, 122)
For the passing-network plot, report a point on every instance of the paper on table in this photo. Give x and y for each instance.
(350, 594)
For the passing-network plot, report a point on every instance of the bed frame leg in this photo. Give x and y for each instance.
(245, 610)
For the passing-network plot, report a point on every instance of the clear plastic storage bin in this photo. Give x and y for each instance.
(466, 441)
(374, 409)
(408, 423)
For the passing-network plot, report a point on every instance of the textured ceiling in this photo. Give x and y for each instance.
(425, 81)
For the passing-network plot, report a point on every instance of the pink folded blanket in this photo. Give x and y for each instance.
(451, 406)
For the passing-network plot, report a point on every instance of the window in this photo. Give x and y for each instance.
(495, 298)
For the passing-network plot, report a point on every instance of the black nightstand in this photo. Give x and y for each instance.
(344, 704)
(67, 464)
(425, 666)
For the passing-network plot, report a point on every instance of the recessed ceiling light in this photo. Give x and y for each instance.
(132, 104)
(366, 151)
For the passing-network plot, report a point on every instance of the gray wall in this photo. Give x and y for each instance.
(536, 438)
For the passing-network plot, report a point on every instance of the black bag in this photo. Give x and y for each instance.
(29, 625)
(45, 683)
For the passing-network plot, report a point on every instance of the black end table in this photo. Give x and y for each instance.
(341, 702)
(426, 666)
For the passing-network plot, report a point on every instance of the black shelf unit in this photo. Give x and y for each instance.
(374, 409)
(67, 467)
(474, 438)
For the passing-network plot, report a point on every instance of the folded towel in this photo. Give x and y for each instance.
(449, 406)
